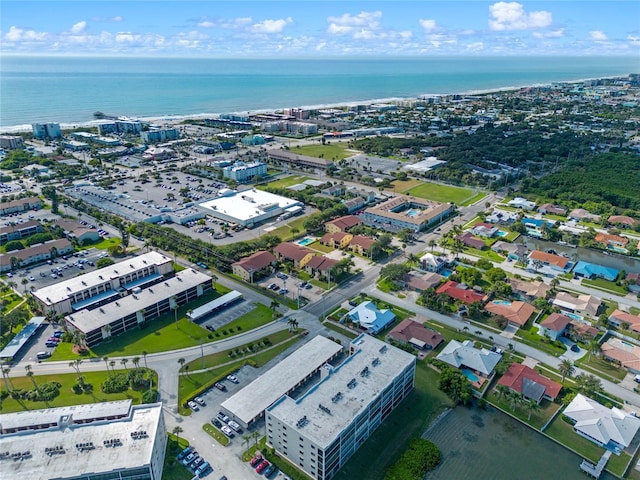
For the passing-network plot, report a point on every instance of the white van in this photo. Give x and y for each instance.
(42, 355)
(637, 379)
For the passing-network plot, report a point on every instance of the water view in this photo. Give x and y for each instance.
(487, 444)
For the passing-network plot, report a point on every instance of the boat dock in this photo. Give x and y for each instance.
(595, 470)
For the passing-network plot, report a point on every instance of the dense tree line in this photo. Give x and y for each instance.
(387, 146)
(420, 457)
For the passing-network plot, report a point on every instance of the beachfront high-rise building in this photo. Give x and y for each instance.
(98, 441)
(46, 130)
(11, 142)
(244, 172)
(321, 429)
(158, 135)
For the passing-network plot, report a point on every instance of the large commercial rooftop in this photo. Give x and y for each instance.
(331, 405)
(38, 431)
(89, 320)
(252, 400)
(59, 292)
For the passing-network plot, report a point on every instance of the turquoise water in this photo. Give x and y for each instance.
(472, 377)
(502, 234)
(305, 241)
(446, 272)
(501, 302)
(574, 316)
(70, 89)
(412, 212)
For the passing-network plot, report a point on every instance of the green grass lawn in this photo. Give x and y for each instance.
(401, 186)
(220, 437)
(473, 199)
(10, 301)
(538, 417)
(602, 284)
(564, 433)
(407, 421)
(173, 470)
(287, 181)
(340, 330)
(67, 396)
(320, 248)
(103, 244)
(601, 367)
(530, 337)
(441, 193)
(257, 317)
(511, 236)
(330, 151)
(488, 254)
(290, 231)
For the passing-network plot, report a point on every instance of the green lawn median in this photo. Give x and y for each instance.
(220, 437)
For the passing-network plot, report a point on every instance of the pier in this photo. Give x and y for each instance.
(595, 470)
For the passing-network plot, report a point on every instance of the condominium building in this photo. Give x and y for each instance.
(105, 284)
(245, 172)
(319, 430)
(11, 142)
(160, 135)
(46, 130)
(98, 441)
(412, 213)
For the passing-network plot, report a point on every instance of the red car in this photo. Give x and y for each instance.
(53, 339)
(255, 461)
(261, 466)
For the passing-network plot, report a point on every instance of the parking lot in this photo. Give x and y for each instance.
(220, 318)
(278, 284)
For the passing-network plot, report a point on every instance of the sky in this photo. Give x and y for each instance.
(309, 28)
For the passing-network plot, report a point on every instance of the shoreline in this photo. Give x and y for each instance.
(173, 119)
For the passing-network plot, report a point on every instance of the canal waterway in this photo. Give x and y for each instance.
(620, 262)
(489, 445)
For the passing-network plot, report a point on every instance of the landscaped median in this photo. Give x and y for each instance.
(220, 437)
(219, 365)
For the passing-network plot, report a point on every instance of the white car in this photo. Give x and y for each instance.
(227, 431)
(234, 425)
(193, 406)
(200, 401)
(233, 378)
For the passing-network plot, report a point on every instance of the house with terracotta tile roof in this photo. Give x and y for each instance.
(319, 266)
(552, 209)
(580, 214)
(610, 241)
(293, 252)
(549, 259)
(583, 305)
(625, 320)
(554, 326)
(410, 332)
(342, 224)
(581, 332)
(336, 239)
(529, 383)
(623, 220)
(517, 313)
(461, 292)
(259, 262)
(471, 241)
(622, 353)
(361, 245)
(528, 290)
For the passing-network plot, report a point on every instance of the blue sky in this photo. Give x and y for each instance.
(320, 29)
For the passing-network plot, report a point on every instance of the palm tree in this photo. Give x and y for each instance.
(181, 361)
(112, 364)
(256, 436)
(566, 369)
(106, 362)
(136, 362)
(214, 279)
(432, 243)
(246, 438)
(594, 348)
(5, 376)
(124, 363)
(25, 282)
(176, 431)
(532, 406)
(291, 322)
(514, 399)
(144, 356)
(274, 306)
(502, 391)
(30, 375)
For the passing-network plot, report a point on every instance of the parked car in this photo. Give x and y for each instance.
(221, 416)
(270, 470)
(283, 291)
(233, 378)
(203, 469)
(42, 355)
(193, 406)
(272, 286)
(261, 466)
(234, 425)
(255, 461)
(575, 348)
(216, 422)
(221, 386)
(189, 458)
(200, 401)
(227, 431)
(50, 344)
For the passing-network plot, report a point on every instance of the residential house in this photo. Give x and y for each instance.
(336, 240)
(622, 220)
(484, 230)
(361, 245)
(513, 251)
(591, 271)
(608, 427)
(529, 383)
(522, 203)
(368, 195)
(611, 241)
(258, 262)
(502, 217)
(554, 326)
(583, 305)
(19, 231)
(370, 318)
(625, 320)
(410, 332)
(342, 224)
(547, 263)
(549, 208)
(20, 205)
(74, 230)
(633, 282)
(471, 241)
(354, 204)
(320, 266)
(517, 313)
(460, 291)
(34, 254)
(529, 290)
(432, 263)
(464, 356)
(293, 252)
(420, 283)
(580, 214)
(581, 331)
(623, 353)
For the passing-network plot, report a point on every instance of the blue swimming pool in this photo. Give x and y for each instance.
(472, 377)
(306, 241)
(502, 234)
(574, 316)
(501, 302)
(446, 272)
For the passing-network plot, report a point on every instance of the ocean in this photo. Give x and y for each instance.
(69, 90)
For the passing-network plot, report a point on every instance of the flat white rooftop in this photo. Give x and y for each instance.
(247, 204)
(345, 392)
(74, 462)
(253, 399)
(59, 292)
(89, 320)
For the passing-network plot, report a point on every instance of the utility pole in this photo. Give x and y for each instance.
(202, 353)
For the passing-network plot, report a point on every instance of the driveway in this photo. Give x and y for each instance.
(569, 354)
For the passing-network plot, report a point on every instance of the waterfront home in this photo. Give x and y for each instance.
(529, 383)
(592, 270)
(583, 305)
(525, 290)
(320, 266)
(410, 332)
(513, 251)
(477, 364)
(484, 230)
(471, 241)
(522, 203)
(554, 326)
(611, 241)
(293, 252)
(258, 262)
(622, 220)
(580, 214)
(460, 292)
(420, 283)
(536, 223)
(580, 331)
(610, 428)
(370, 318)
(547, 263)
(625, 320)
(517, 313)
(623, 353)
(633, 282)
(432, 263)
(549, 208)
(502, 217)
(342, 224)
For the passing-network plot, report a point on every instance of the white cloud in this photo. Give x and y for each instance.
(271, 26)
(634, 40)
(78, 28)
(206, 24)
(117, 18)
(512, 16)
(475, 46)
(598, 36)
(321, 46)
(234, 23)
(17, 34)
(552, 34)
(348, 24)
(428, 25)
